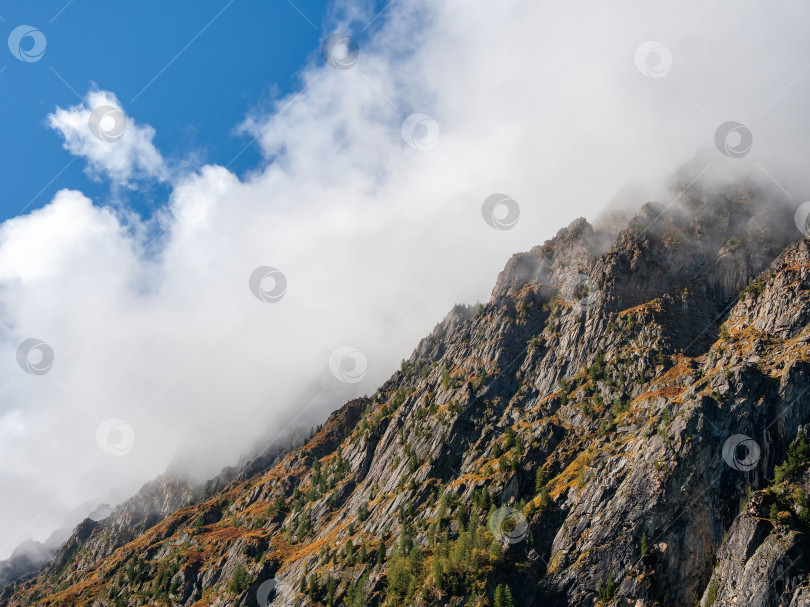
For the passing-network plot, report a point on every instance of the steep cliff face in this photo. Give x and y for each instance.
(608, 429)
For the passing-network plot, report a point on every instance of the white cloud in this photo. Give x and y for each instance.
(154, 323)
(112, 142)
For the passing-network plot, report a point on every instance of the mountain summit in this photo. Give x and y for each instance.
(624, 423)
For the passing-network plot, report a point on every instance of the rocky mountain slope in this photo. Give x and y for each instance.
(623, 423)
(31, 556)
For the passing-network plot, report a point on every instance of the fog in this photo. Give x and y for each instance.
(369, 219)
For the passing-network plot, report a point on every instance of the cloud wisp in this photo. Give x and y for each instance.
(112, 143)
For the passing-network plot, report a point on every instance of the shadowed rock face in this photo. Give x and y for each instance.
(601, 392)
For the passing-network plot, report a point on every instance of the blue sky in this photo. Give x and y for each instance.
(253, 48)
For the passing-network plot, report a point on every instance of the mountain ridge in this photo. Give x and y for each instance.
(564, 443)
